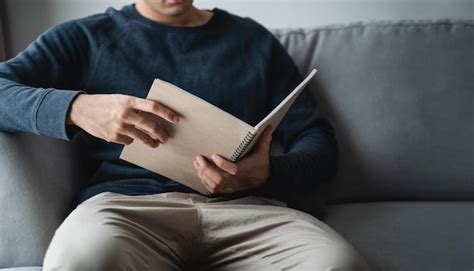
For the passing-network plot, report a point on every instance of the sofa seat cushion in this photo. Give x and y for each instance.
(409, 235)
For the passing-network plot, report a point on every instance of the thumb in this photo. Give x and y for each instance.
(263, 144)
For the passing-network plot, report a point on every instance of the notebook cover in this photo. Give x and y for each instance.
(203, 129)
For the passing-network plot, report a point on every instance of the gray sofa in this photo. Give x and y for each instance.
(401, 97)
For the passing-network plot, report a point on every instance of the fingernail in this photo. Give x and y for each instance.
(175, 119)
(215, 156)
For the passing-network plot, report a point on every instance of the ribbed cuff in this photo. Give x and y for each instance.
(52, 113)
(278, 185)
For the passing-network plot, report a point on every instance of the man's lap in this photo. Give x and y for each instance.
(172, 230)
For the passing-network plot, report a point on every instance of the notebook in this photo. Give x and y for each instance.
(203, 129)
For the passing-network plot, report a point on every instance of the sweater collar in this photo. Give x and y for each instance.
(131, 12)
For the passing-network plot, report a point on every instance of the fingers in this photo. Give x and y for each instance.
(155, 108)
(133, 132)
(224, 164)
(212, 178)
(206, 181)
(153, 128)
(264, 142)
(115, 118)
(123, 139)
(210, 170)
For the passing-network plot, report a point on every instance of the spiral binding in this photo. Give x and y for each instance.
(242, 146)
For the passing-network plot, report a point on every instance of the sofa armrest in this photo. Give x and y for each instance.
(38, 179)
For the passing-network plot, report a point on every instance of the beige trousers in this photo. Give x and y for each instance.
(181, 231)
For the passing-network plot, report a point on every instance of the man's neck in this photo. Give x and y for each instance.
(193, 17)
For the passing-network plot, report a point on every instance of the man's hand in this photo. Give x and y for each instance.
(117, 118)
(223, 176)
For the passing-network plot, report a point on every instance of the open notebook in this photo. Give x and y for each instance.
(203, 129)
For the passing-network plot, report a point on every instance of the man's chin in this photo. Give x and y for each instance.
(175, 11)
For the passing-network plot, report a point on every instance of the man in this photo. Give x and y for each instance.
(87, 78)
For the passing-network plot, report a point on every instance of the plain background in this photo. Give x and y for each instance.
(24, 20)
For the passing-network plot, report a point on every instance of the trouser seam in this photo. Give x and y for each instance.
(198, 237)
(199, 240)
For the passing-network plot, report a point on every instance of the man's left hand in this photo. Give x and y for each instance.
(224, 176)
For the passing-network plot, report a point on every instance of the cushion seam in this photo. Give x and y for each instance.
(378, 24)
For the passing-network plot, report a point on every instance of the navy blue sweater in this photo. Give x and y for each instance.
(232, 62)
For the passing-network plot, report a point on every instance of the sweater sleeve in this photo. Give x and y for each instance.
(310, 153)
(37, 86)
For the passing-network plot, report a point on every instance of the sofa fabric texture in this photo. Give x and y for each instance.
(35, 196)
(400, 96)
(408, 235)
(401, 99)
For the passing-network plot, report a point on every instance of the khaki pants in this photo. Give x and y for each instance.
(181, 231)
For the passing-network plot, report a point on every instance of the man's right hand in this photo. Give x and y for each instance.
(117, 118)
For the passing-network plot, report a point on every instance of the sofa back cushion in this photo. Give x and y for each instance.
(401, 98)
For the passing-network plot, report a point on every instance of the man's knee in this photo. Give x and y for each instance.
(74, 255)
(86, 242)
(318, 247)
